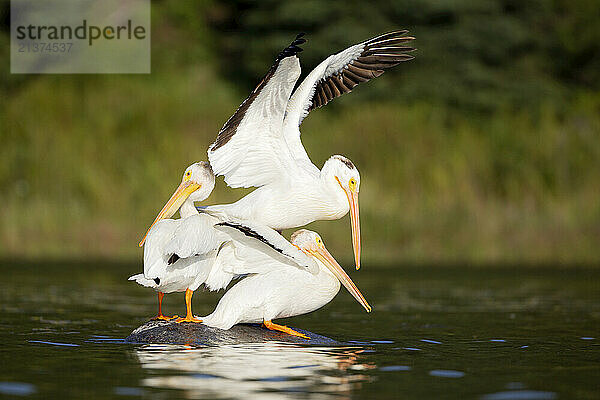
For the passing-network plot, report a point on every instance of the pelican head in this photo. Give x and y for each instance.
(311, 244)
(200, 174)
(196, 185)
(346, 176)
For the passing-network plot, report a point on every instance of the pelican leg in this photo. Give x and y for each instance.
(188, 303)
(281, 328)
(160, 315)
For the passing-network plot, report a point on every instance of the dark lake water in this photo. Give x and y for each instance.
(489, 334)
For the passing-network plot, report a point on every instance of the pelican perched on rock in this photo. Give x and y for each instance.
(182, 254)
(260, 144)
(281, 289)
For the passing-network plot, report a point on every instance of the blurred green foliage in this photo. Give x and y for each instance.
(485, 148)
(472, 54)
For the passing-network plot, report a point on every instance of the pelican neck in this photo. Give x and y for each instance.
(188, 209)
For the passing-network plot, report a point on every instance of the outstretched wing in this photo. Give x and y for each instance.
(249, 149)
(339, 74)
(256, 245)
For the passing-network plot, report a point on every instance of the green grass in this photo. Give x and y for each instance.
(484, 149)
(88, 162)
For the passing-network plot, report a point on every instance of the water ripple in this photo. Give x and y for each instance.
(430, 341)
(520, 395)
(17, 388)
(389, 368)
(54, 343)
(446, 373)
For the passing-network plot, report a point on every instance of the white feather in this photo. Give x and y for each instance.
(301, 100)
(252, 247)
(266, 148)
(255, 154)
(211, 255)
(194, 235)
(283, 291)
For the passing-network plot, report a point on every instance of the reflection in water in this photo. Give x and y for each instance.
(262, 370)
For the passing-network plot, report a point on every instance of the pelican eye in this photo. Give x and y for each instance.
(187, 175)
(319, 241)
(352, 184)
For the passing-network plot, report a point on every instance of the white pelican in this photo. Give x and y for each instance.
(260, 144)
(182, 254)
(282, 290)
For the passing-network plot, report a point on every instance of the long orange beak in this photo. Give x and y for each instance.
(177, 199)
(355, 222)
(326, 258)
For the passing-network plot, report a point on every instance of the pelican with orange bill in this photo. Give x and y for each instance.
(260, 144)
(182, 254)
(282, 290)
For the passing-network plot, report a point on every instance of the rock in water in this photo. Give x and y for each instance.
(169, 332)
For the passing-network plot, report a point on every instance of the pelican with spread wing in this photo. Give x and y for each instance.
(260, 144)
(182, 254)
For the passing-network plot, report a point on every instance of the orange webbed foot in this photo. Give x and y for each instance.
(164, 317)
(189, 318)
(281, 328)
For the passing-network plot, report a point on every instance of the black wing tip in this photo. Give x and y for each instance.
(395, 34)
(299, 39)
(251, 233)
(234, 225)
(294, 47)
(245, 229)
(226, 223)
(379, 54)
